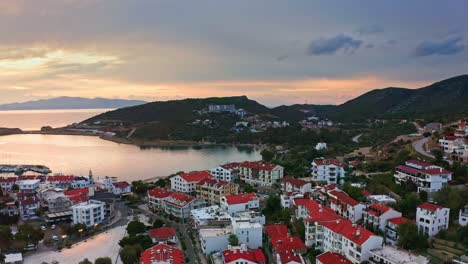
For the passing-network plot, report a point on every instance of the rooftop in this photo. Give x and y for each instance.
(258, 165)
(159, 193)
(195, 176)
(162, 233)
(243, 253)
(398, 220)
(332, 258)
(293, 181)
(343, 197)
(334, 162)
(121, 184)
(162, 253)
(399, 256)
(430, 207)
(240, 198)
(353, 232)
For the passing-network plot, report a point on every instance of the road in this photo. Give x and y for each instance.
(418, 145)
(356, 138)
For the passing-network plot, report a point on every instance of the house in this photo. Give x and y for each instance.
(393, 255)
(180, 205)
(244, 255)
(28, 207)
(7, 183)
(376, 215)
(455, 146)
(259, 173)
(344, 205)
(314, 235)
(211, 190)
(155, 197)
(121, 188)
(433, 127)
(290, 185)
(328, 170)
(427, 177)
(211, 215)
(164, 235)
(81, 182)
(287, 199)
(463, 216)
(227, 172)
(240, 202)
(286, 248)
(28, 186)
(431, 218)
(8, 207)
(331, 258)
(77, 196)
(352, 241)
(248, 232)
(214, 108)
(187, 182)
(462, 130)
(161, 254)
(214, 238)
(60, 181)
(391, 235)
(88, 213)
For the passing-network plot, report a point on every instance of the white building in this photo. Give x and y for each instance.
(455, 146)
(427, 177)
(80, 182)
(377, 215)
(187, 182)
(259, 173)
(180, 205)
(248, 233)
(287, 200)
(240, 202)
(321, 145)
(392, 255)
(350, 240)
(227, 172)
(28, 207)
(344, 205)
(28, 186)
(214, 239)
(328, 170)
(121, 188)
(381, 198)
(88, 213)
(431, 218)
(463, 216)
(391, 235)
(210, 215)
(291, 185)
(156, 196)
(7, 183)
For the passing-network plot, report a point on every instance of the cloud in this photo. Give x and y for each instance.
(330, 46)
(370, 46)
(443, 47)
(282, 57)
(369, 30)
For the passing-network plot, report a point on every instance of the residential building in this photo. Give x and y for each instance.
(376, 215)
(8, 207)
(382, 199)
(251, 216)
(121, 188)
(321, 145)
(187, 182)
(77, 196)
(60, 181)
(427, 177)
(286, 248)
(28, 207)
(244, 255)
(7, 183)
(214, 108)
(463, 216)
(314, 231)
(331, 258)
(161, 254)
(391, 235)
(164, 235)
(240, 202)
(291, 185)
(350, 240)
(260, 174)
(58, 204)
(211, 190)
(431, 218)
(344, 205)
(28, 186)
(462, 130)
(211, 215)
(88, 213)
(393, 255)
(328, 170)
(227, 172)
(455, 146)
(156, 196)
(214, 238)
(433, 127)
(287, 199)
(180, 205)
(247, 232)
(81, 182)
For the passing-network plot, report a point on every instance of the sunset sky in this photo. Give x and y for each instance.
(274, 51)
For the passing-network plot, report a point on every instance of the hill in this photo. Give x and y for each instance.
(71, 103)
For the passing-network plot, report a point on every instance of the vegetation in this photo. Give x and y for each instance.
(29, 234)
(451, 198)
(104, 260)
(6, 237)
(407, 206)
(144, 241)
(130, 254)
(135, 227)
(274, 214)
(410, 237)
(233, 240)
(85, 261)
(379, 133)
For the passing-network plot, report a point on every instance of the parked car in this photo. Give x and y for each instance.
(55, 238)
(53, 227)
(43, 228)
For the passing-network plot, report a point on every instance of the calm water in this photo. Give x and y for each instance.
(35, 119)
(78, 154)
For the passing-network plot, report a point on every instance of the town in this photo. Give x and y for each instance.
(242, 212)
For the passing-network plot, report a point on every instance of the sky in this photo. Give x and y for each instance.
(274, 51)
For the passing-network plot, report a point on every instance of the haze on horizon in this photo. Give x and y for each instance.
(276, 52)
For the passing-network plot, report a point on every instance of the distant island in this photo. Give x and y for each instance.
(65, 102)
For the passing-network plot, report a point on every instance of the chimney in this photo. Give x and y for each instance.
(358, 232)
(337, 221)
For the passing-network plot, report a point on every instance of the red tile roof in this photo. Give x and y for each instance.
(436, 171)
(325, 162)
(332, 258)
(430, 207)
(236, 254)
(213, 182)
(344, 197)
(9, 179)
(288, 244)
(241, 198)
(258, 165)
(276, 231)
(378, 209)
(195, 176)
(398, 220)
(321, 214)
(28, 201)
(162, 253)
(181, 199)
(159, 193)
(163, 233)
(451, 138)
(346, 228)
(407, 169)
(78, 198)
(419, 163)
(230, 166)
(295, 182)
(73, 192)
(61, 178)
(366, 193)
(288, 257)
(121, 184)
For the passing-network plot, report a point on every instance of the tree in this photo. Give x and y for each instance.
(105, 260)
(29, 234)
(233, 240)
(158, 223)
(139, 187)
(143, 240)
(6, 237)
(135, 227)
(15, 188)
(407, 205)
(129, 254)
(267, 155)
(85, 261)
(451, 198)
(354, 192)
(410, 237)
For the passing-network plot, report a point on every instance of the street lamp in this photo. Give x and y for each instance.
(81, 232)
